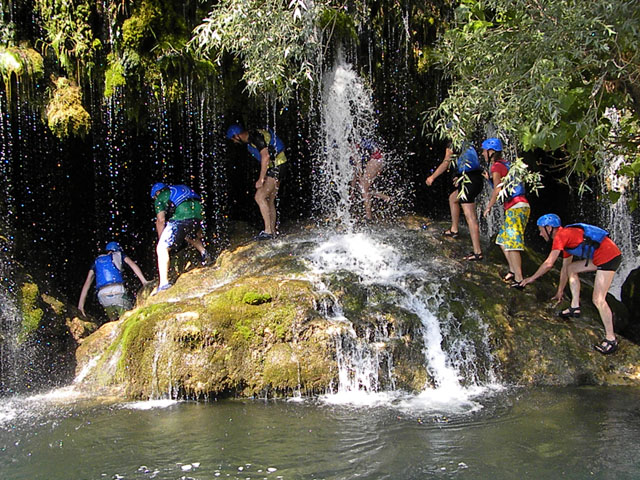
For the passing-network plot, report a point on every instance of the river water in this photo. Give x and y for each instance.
(543, 433)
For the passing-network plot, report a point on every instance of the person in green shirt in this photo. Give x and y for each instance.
(178, 220)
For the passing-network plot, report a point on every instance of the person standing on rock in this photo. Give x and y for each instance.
(598, 254)
(107, 270)
(516, 210)
(178, 219)
(469, 182)
(267, 148)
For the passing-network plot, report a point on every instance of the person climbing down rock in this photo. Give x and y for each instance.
(596, 253)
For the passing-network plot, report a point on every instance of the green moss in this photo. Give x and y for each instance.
(31, 313)
(66, 116)
(255, 298)
(114, 76)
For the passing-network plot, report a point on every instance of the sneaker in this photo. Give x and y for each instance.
(205, 259)
(264, 236)
(162, 288)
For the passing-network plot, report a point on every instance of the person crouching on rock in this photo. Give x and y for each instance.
(598, 253)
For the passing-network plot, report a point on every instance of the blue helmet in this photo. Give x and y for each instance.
(157, 187)
(549, 220)
(234, 129)
(113, 247)
(492, 144)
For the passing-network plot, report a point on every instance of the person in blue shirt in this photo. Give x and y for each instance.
(267, 148)
(468, 184)
(107, 270)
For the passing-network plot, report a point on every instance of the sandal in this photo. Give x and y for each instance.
(517, 285)
(607, 347)
(570, 312)
(473, 257)
(450, 234)
(508, 277)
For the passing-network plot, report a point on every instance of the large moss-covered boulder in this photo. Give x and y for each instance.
(295, 316)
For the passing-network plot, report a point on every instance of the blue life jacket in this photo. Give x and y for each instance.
(181, 193)
(518, 189)
(468, 161)
(274, 144)
(593, 237)
(107, 272)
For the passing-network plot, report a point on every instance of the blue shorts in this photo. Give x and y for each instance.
(175, 231)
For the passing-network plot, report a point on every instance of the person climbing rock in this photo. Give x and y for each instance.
(469, 183)
(107, 270)
(366, 169)
(516, 210)
(597, 253)
(267, 148)
(178, 220)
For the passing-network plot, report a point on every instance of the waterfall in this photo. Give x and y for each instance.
(455, 364)
(616, 217)
(347, 119)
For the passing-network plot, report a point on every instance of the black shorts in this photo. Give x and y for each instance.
(279, 172)
(612, 265)
(472, 188)
(176, 231)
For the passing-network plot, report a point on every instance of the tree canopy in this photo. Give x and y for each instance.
(560, 75)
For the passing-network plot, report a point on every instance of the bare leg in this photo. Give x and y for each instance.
(454, 207)
(265, 197)
(600, 288)
(371, 171)
(469, 210)
(514, 260)
(163, 264)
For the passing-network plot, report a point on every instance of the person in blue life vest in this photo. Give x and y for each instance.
(597, 253)
(178, 220)
(366, 169)
(516, 210)
(469, 182)
(267, 148)
(107, 270)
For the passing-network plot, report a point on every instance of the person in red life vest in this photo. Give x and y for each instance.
(469, 181)
(516, 210)
(107, 270)
(597, 253)
(366, 171)
(267, 148)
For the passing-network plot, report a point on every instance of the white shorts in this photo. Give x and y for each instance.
(114, 295)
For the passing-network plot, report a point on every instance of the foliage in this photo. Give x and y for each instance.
(65, 114)
(544, 72)
(275, 43)
(31, 313)
(113, 76)
(23, 62)
(69, 33)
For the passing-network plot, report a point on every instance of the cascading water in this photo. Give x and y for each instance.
(456, 366)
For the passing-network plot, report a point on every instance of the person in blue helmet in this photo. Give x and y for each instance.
(107, 270)
(516, 210)
(267, 148)
(598, 253)
(178, 220)
(469, 183)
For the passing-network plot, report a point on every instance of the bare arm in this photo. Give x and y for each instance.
(85, 291)
(448, 156)
(160, 223)
(135, 269)
(497, 186)
(543, 268)
(264, 166)
(564, 277)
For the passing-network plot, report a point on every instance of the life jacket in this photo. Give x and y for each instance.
(274, 145)
(107, 271)
(593, 237)
(468, 161)
(181, 193)
(518, 189)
